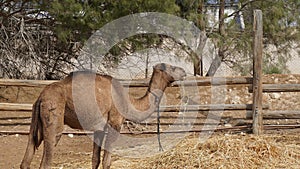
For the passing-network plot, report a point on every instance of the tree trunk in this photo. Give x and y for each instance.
(214, 66)
(198, 61)
(221, 18)
(221, 50)
(197, 66)
(147, 65)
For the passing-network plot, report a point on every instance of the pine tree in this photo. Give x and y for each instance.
(281, 31)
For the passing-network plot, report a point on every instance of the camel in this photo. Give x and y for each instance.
(56, 107)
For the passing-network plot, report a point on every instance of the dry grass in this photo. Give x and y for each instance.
(230, 151)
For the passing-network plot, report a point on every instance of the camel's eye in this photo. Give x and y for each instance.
(163, 67)
(173, 68)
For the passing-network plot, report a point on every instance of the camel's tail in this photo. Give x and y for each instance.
(36, 127)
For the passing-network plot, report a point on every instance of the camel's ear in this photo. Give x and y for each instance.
(161, 66)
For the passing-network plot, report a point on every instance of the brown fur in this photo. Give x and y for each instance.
(105, 110)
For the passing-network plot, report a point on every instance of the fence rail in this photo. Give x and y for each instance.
(271, 88)
(235, 128)
(15, 107)
(199, 81)
(169, 108)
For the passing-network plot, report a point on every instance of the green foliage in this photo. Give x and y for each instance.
(281, 33)
(278, 20)
(275, 63)
(76, 20)
(193, 11)
(126, 7)
(273, 70)
(281, 30)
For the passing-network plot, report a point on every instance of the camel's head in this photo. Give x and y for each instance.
(170, 73)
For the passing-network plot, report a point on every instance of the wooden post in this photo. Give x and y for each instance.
(257, 72)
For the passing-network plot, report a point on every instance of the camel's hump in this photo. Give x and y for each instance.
(85, 74)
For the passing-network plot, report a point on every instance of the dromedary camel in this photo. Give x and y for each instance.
(55, 107)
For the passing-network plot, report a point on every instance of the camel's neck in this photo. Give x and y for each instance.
(143, 107)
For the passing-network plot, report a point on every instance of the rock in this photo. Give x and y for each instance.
(293, 81)
(274, 95)
(228, 125)
(71, 135)
(236, 100)
(243, 134)
(239, 123)
(178, 96)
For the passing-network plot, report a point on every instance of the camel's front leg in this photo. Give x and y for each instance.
(112, 135)
(98, 139)
(106, 159)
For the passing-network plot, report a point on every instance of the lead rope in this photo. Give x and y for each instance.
(158, 129)
(158, 121)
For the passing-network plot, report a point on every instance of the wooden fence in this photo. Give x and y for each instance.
(172, 109)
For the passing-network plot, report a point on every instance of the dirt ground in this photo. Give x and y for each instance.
(75, 151)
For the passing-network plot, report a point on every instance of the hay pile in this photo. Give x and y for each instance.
(230, 151)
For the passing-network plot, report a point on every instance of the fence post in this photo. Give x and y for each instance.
(257, 72)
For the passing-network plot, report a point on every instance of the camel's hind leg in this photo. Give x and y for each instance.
(35, 136)
(98, 139)
(52, 116)
(30, 151)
